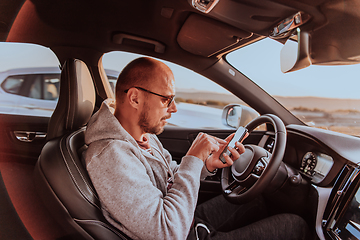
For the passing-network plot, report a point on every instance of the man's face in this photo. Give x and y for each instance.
(155, 111)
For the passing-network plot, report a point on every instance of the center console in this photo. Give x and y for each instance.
(342, 215)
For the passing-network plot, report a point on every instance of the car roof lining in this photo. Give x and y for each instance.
(8, 12)
(157, 20)
(59, 23)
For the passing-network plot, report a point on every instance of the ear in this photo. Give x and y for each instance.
(133, 97)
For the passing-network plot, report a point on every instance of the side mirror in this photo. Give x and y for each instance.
(295, 54)
(235, 115)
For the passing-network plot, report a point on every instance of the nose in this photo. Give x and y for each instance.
(172, 108)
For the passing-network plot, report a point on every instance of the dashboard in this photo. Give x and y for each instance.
(316, 165)
(323, 181)
(331, 163)
(342, 216)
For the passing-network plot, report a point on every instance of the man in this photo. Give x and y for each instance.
(143, 192)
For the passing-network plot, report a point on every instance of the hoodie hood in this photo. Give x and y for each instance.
(104, 125)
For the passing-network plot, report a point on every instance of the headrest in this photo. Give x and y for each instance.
(76, 99)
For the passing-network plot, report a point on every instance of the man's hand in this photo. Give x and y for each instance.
(213, 162)
(204, 145)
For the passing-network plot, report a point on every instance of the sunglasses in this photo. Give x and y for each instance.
(169, 99)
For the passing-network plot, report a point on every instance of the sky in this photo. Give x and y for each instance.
(260, 62)
(19, 55)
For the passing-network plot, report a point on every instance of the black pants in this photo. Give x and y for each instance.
(219, 219)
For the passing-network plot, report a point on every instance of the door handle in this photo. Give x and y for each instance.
(26, 136)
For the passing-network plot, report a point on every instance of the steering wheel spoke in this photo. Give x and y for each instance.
(260, 166)
(233, 185)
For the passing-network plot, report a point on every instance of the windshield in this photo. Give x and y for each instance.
(321, 96)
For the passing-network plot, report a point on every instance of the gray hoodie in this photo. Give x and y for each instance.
(132, 183)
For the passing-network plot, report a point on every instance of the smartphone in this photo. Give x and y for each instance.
(239, 135)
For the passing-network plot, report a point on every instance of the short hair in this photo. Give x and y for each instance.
(137, 73)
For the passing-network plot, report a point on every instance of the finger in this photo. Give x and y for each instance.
(212, 142)
(228, 138)
(215, 143)
(219, 140)
(240, 147)
(205, 138)
(214, 147)
(234, 153)
(199, 136)
(228, 160)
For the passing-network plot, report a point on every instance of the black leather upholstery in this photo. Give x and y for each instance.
(76, 100)
(60, 177)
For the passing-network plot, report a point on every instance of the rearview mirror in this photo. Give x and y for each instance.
(235, 115)
(295, 54)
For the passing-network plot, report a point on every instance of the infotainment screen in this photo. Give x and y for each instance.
(348, 226)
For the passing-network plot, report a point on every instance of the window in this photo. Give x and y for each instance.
(321, 96)
(35, 89)
(199, 100)
(39, 86)
(29, 80)
(12, 84)
(51, 87)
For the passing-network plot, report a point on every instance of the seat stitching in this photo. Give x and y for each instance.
(74, 179)
(69, 103)
(82, 176)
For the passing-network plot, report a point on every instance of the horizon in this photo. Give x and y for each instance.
(323, 82)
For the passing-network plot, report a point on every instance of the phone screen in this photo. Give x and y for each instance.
(239, 135)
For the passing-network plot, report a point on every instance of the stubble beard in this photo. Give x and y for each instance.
(144, 123)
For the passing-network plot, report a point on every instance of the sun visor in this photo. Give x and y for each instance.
(205, 36)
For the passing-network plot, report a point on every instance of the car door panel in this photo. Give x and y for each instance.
(22, 137)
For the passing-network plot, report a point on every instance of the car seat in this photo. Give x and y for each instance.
(60, 177)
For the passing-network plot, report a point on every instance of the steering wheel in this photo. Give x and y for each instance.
(249, 176)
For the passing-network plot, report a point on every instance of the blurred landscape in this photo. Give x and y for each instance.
(340, 115)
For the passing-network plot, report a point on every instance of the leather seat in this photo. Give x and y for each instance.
(60, 177)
